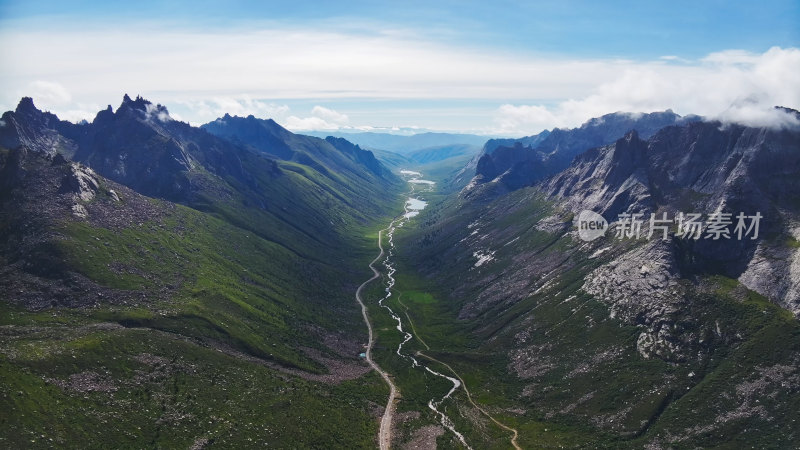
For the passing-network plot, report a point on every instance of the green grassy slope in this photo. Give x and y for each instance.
(172, 326)
(77, 382)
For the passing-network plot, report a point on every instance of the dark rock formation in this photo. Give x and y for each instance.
(525, 161)
(702, 167)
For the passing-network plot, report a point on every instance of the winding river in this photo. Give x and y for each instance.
(412, 207)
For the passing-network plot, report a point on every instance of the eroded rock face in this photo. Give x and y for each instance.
(775, 272)
(82, 181)
(79, 211)
(641, 285)
(33, 129)
(608, 180)
(641, 288)
(703, 167)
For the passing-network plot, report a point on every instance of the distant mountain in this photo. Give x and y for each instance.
(443, 152)
(533, 158)
(528, 141)
(405, 144)
(392, 160)
(442, 163)
(266, 136)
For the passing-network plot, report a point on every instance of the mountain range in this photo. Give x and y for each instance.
(175, 286)
(403, 144)
(169, 270)
(521, 162)
(627, 339)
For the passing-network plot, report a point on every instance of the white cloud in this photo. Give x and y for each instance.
(203, 111)
(732, 86)
(329, 115)
(308, 123)
(81, 112)
(153, 112)
(729, 57)
(511, 119)
(207, 74)
(48, 92)
(280, 63)
(321, 119)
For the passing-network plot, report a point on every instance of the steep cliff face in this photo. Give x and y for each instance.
(28, 127)
(702, 168)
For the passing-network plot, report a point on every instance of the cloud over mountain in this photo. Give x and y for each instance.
(733, 86)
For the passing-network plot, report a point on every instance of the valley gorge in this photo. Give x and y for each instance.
(168, 285)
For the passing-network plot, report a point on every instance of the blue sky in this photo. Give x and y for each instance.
(488, 67)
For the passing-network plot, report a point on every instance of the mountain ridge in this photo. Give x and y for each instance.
(533, 158)
(140, 146)
(403, 144)
(225, 295)
(169, 270)
(709, 168)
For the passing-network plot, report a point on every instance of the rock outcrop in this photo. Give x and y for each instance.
(703, 167)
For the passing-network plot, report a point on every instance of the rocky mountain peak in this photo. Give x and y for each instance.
(104, 116)
(27, 107)
(141, 108)
(29, 127)
(630, 147)
(139, 103)
(30, 113)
